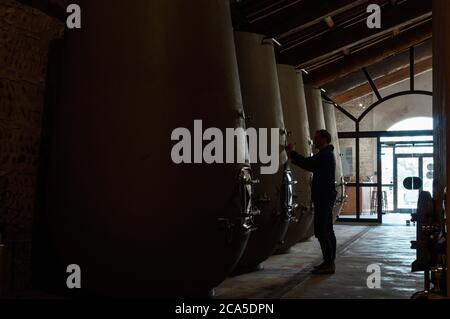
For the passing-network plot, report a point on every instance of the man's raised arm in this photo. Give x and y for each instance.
(307, 163)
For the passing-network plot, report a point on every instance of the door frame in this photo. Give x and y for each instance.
(420, 158)
(358, 185)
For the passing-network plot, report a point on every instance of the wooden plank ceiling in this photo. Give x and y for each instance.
(330, 40)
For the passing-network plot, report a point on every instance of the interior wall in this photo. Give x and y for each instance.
(25, 34)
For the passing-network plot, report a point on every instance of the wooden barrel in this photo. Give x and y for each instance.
(297, 124)
(262, 104)
(137, 223)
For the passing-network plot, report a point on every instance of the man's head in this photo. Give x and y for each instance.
(322, 139)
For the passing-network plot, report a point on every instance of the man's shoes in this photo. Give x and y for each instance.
(321, 265)
(326, 269)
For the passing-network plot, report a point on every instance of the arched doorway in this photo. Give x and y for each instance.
(383, 160)
(370, 188)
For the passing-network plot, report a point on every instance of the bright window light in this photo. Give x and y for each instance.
(414, 124)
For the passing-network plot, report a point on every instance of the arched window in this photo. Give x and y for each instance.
(400, 112)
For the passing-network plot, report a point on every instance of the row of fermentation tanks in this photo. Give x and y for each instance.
(116, 204)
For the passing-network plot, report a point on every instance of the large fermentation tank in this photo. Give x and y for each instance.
(297, 124)
(330, 122)
(262, 104)
(315, 110)
(117, 205)
(316, 122)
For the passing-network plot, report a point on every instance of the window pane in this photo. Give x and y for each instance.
(398, 109)
(428, 174)
(407, 139)
(369, 203)
(407, 167)
(349, 207)
(410, 149)
(358, 106)
(343, 123)
(387, 163)
(348, 151)
(388, 199)
(368, 160)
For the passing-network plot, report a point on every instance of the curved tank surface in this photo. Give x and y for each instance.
(316, 122)
(297, 124)
(315, 110)
(330, 122)
(118, 205)
(262, 105)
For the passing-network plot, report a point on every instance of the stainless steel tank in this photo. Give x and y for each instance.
(136, 223)
(297, 124)
(330, 123)
(315, 110)
(262, 104)
(316, 122)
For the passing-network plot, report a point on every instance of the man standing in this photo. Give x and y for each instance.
(323, 193)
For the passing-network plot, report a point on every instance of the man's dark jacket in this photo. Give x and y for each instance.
(323, 166)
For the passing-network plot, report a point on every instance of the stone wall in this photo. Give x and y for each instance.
(25, 34)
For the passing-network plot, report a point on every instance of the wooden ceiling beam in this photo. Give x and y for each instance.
(337, 40)
(380, 69)
(294, 16)
(383, 82)
(369, 56)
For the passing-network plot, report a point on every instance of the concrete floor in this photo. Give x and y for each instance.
(288, 276)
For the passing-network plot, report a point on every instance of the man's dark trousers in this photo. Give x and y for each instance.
(323, 229)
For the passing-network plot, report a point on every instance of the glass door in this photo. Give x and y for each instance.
(412, 165)
(405, 200)
(361, 165)
(375, 165)
(387, 172)
(428, 173)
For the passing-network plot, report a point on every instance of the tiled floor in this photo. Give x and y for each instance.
(288, 276)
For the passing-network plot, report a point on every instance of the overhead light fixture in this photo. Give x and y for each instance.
(323, 90)
(272, 40)
(304, 71)
(330, 22)
(276, 42)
